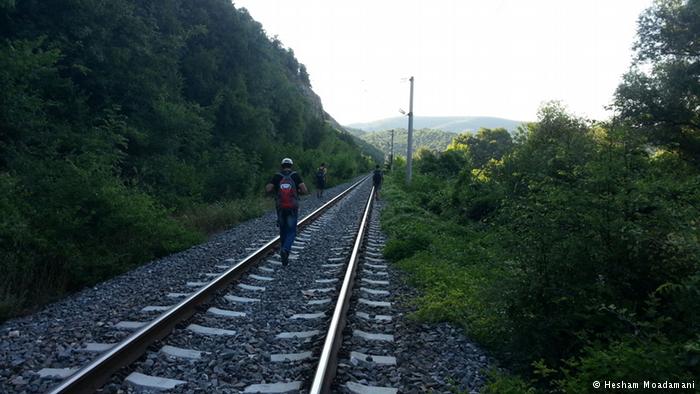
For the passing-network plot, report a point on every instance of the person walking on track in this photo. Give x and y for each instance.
(287, 186)
(377, 179)
(321, 180)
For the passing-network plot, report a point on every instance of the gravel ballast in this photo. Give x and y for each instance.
(419, 358)
(262, 333)
(53, 337)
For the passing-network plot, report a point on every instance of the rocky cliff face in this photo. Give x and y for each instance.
(317, 105)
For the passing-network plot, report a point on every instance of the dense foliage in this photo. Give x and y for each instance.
(573, 250)
(576, 256)
(431, 139)
(368, 149)
(118, 118)
(661, 93)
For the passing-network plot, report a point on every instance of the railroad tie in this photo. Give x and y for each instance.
(308, 316)
(357, 388)
(95, 347)
(130, 325)
(372, 358)
(152, 382)
(374, 291)
(196, 328)
(376, 304)
(297, 334)
(177, 295)
(314, 291)
(331, 280)
(178, 352)
(155, 308)
(240, 300)
(287, 357)
(225, 312)
(319, 302)
(376, 273)
(377, 318)
(56, 373)
(276, 388)
(261, 278)
(369, 336)
(375, 282)
(250, 287)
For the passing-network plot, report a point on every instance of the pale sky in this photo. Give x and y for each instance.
(472, 58)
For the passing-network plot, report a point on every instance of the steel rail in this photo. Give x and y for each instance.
(328, 362)
(91, 377)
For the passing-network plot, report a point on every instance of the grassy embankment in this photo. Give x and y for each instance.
(466, 276)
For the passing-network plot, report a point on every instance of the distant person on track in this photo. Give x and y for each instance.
(377, 180)
(287, 186)
(321, 180)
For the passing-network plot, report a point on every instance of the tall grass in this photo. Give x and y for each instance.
(43, 275)
(212, 218)
(447, 261)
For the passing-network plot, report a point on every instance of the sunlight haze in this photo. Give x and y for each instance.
(471, 58)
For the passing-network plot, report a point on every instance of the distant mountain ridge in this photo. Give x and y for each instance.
(454, 124)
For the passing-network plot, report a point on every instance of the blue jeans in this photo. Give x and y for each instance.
(287, 219)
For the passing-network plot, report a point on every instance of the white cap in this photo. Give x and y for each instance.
(287, 160)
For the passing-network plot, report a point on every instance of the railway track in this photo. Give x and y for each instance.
(298, 349)
(363, 339)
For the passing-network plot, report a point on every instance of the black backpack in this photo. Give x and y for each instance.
(377, 177)
(320, 175)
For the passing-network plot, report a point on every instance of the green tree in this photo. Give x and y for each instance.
(582, 246)
(304, 75)
(118, 116)
(485, 145)
(660, 95)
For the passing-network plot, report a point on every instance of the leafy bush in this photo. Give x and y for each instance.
(581, 240)
(630, 360)
(571, 255)
(154, 115)
(500, 382)
(47, 239)
(445, 261)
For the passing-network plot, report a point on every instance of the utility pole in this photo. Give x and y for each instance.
(409, 149)
(391, 155)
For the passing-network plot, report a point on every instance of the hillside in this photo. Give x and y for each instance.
(130, 129)
(454, 124)
(365, 148)
(369, 149)
(354, 131)
(436, 140)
